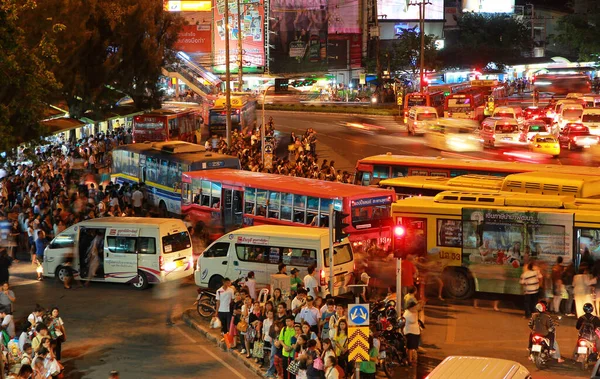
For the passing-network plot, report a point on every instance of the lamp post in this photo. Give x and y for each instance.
(227, 78)
(240, 48)
(262, 128)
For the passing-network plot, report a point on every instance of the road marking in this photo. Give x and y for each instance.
(451, 327)
(227, 365)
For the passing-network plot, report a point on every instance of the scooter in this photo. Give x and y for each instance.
(586, 352)
(540, 350)
(206, 301)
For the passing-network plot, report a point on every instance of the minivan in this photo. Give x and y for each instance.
(261, 249)
(419, 117)
(135, 250)
(499, 130)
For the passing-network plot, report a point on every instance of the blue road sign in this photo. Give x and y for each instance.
(358, 315)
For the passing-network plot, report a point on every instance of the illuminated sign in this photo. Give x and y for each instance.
(187, 6)
(488, 6)
(402, 10)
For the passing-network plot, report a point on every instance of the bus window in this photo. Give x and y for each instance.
(261, 202)
(449, 233)
(399, 171)
(381, 172)
(152, 169)
(216, 195)
(312, 211)
(286, 206)
(300, 209)
(173, 128)
(274, 204)
(205, 201)
(163, 172)
(249, 200)
(185, 193)
(416, 236)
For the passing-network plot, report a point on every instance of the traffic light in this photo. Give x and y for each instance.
(339, 225)
(398, 240)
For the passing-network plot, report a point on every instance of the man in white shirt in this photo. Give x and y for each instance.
(224, 296)
(310, 282)
(136, 200)
(310, 314)
(299, 301)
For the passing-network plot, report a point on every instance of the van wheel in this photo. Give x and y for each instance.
(141, 282)
(162, 209)
(215, 282)
(61, 273)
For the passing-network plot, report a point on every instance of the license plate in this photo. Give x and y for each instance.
(179, 263)
(536, 348)
(507, 139)
(582, 350)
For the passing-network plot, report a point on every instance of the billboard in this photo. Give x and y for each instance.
(401, 10)
(252, 33)
(194, 39)
(488, 6)
(298, 35)
(343, 16)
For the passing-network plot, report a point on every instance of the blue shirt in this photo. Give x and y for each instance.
(40, 245)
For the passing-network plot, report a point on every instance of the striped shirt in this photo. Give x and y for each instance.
(531, 281)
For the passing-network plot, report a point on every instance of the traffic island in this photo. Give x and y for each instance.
(194, 321)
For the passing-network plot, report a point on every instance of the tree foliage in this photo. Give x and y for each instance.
(578, 36)
(404, 53)
(26, 78)
(481, 39)
(108, 49)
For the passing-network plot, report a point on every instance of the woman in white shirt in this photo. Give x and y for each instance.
(412, 331)
(330, 371)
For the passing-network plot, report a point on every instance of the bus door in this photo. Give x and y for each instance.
(232, 208)
(120, 254)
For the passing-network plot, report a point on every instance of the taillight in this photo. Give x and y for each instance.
(582, 343)
(323, 278)
(161, 261)
(538, 339)
(449, 114)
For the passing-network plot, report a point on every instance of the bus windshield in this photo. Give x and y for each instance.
(415, 101)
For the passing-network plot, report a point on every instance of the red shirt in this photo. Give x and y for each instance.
(408, 273)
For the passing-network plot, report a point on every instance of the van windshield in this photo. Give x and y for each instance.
(343, 254)
(572, 114)
(591, 118)
(176, 242)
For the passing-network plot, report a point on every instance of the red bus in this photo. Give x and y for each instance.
(225, 199)
(167, 124)
(430, 99)
(467, 104)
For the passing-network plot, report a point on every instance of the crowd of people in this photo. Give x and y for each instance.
(296, 335)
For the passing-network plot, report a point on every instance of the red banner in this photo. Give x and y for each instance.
(194, 39)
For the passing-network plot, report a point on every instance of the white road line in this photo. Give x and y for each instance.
(451, 327)
(236, 372)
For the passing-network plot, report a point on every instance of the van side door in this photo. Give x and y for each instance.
(120, 257)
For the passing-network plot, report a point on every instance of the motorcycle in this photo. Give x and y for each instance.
(586, 352)
(392, 345)
(540, 350)
(206, 301)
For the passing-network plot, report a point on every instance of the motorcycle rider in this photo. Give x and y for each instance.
(541, 323)
(587, 324)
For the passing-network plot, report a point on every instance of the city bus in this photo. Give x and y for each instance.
(481, 241)
(466, 105)
(224, 200)
(370, 170)
(159, 166)
(542, 183)
(428, 99)
(449, 89)
(167, 124)
(243, 115)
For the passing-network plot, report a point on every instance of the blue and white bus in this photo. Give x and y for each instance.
(159, 166)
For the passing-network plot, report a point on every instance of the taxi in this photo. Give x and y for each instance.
(545, 143)
(531, 128)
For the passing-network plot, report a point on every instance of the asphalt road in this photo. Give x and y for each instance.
(115, 327)
(347, 146)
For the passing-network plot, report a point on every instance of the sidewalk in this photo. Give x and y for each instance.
(194, 321)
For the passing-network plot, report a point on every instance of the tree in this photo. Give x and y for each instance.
(109, 49)
(26, 78)
(482, 39)
(577, 36)
(404, 52)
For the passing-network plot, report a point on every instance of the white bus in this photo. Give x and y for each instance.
(262, 248)
(137, 251)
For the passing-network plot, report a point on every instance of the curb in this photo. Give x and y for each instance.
(205, 332)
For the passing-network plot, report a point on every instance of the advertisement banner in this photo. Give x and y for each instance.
(298, 35)
(488, 6)
(252, 31)
(402, 10)
(194, 39)
(343, 16)
(497, 244)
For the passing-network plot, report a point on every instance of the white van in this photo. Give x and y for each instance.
(134, 250)
(419, 117)
(457, 367)
(591, 119)
(499, 130)
(569, 113)
(449, 134)
(262, 248)
(509, 112)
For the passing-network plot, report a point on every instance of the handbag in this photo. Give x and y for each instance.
(257, 349)
(242, 326)
(215, 323)
(318, 364)
(294, 367)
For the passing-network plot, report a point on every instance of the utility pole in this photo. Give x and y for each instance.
(240, 50)
(421, 5)
(227, 78)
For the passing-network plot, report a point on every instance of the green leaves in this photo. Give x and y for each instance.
(577, 35)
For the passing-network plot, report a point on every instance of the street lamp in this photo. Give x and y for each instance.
(262, 128)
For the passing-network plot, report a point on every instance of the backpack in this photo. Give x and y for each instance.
(340, 371)
(587, 330)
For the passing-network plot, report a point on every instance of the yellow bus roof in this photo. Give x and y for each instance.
(476, 164)
(543, 183)
(236, 101)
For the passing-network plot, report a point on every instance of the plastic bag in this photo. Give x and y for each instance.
(215, 323)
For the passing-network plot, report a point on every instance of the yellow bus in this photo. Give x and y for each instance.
(371, 170)
(481, 241)
(243, 114)
(541, 183)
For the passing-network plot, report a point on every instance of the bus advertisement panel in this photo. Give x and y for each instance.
(497, 243)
